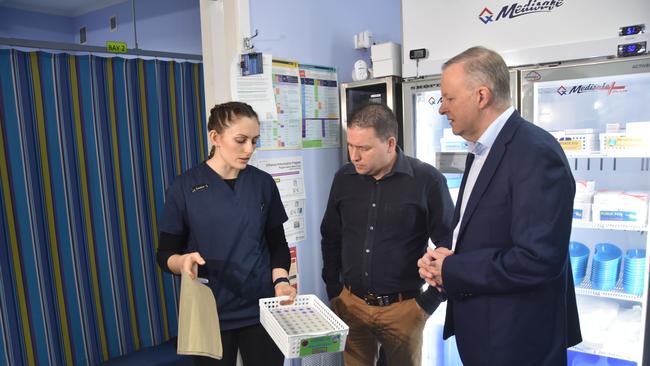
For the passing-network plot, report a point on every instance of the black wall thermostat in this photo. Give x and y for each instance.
(418, 53)
(632, 49)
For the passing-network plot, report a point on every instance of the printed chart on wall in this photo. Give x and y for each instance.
(285, 132)
(288, 175)
(320, 107)
(293, 270)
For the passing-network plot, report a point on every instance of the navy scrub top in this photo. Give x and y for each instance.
(227, 228)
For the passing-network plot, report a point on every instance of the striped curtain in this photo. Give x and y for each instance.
(88, 146)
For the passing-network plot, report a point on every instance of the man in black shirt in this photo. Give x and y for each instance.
(383, 208)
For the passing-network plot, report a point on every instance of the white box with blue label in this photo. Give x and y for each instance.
(621, 208)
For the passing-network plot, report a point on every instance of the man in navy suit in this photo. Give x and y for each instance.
(507, 273)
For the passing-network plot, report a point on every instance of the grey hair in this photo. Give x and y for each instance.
(485, 67)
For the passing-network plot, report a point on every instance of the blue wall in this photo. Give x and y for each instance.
(320, 33)
(15, 23)
(162, 25)
(169, 25)
(97, 25)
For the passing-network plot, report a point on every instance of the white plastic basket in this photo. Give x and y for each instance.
(304, 328)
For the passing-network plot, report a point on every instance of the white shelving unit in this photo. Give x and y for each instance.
(601, 226)
(618, 293)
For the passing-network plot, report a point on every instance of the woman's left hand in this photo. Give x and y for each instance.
(285, 289)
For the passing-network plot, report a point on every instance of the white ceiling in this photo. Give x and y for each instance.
(70, 8)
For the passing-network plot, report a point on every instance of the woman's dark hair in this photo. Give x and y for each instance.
(222, 116)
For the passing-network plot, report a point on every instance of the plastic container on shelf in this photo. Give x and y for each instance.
(605, 266)
(579, 257)
(306, 327)
(634, 271)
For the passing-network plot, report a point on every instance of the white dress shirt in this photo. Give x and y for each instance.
(481, 150)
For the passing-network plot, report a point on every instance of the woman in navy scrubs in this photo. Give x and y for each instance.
(226, 216)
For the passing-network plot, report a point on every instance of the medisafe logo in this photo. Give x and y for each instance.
(516, 10)
(586, 88)
(433, 100)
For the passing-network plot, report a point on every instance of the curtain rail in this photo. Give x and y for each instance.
(94, 49)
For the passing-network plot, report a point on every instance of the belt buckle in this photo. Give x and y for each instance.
(370, 298)
(376, 300)
(383, 300)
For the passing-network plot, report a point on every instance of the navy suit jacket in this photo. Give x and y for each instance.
(509, 282)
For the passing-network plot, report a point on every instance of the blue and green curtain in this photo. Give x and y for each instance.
(88, 146)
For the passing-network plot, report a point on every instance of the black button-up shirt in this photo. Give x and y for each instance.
(374, 231)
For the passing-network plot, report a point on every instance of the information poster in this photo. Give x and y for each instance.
(256, 90)
(294, 228)
(284, 132)
(293, 270)
(288, 175)
(320, 107)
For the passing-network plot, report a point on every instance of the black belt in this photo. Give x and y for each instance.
(384, 300)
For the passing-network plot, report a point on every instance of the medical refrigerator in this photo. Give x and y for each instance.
(600, 113)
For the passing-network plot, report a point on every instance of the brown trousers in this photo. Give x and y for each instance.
(398, 327)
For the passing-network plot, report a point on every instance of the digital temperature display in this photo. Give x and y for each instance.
(631, 30)
(632, 49)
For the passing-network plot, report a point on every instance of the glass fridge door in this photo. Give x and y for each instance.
(599, 113)
(427, 133)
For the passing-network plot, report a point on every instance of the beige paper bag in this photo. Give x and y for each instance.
(198, 322)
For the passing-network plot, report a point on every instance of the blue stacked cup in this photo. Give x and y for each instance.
(605, 266)
(579, 256)
(633, 271)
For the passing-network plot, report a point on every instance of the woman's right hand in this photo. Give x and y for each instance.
(184, 263)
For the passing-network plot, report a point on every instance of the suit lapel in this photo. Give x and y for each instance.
(468, 163)
(489, 168)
